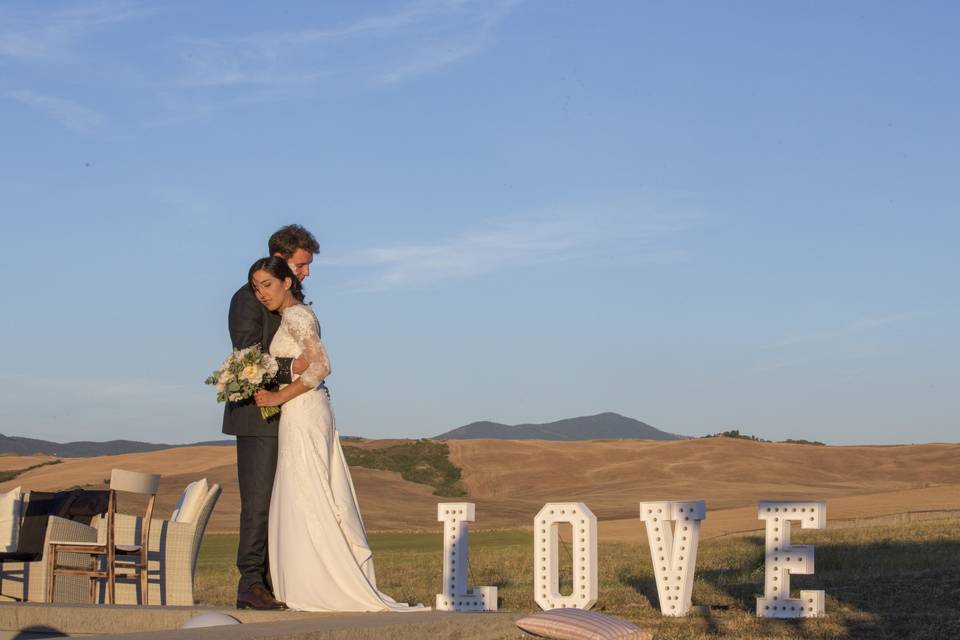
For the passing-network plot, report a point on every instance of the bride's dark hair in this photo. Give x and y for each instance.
(279, 269)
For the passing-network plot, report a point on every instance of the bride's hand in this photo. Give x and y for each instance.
(265, 398)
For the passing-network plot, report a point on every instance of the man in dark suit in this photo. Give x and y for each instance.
(251, 323)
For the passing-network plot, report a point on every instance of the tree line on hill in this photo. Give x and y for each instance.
(735, 433)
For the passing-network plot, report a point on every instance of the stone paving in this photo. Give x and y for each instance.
(26, 621)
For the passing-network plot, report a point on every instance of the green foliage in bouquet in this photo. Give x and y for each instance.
(242, 374)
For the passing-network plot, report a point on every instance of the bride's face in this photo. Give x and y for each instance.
(271, 291)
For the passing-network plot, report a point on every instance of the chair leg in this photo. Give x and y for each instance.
(51, 571)
(144, 578)
(93, 580)
(111, 580)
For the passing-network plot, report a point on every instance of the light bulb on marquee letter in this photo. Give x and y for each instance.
(455, 516)
(673, 550)
(782, 559)
(546, 580)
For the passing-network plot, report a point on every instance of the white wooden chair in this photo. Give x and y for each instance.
(108, 556)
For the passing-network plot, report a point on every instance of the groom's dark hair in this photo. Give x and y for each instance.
(286, 240)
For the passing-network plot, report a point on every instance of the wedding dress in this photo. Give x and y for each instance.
(319, 556)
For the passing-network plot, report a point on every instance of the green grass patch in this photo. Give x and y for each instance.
(433, 542)
(422, 461)
(894, 581)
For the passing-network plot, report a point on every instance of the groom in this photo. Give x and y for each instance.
(251, 323)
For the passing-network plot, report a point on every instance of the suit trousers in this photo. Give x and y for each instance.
(256, 467)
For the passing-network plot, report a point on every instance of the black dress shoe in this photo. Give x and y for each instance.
(259, 598)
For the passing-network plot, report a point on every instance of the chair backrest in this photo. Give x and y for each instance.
(134, 482)
(200, 524)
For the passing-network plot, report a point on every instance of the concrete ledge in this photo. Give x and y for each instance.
(435, 625)
(100, 619)
(147, 623)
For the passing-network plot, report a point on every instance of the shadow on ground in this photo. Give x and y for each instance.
(37, 632)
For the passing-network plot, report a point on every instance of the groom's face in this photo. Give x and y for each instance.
(300, 263)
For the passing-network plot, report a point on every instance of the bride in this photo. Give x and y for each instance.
(319, 556)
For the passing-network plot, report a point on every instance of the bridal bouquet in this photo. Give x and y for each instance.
(242, 374)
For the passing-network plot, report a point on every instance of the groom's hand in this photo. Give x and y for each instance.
(265, 398)
(299, 365)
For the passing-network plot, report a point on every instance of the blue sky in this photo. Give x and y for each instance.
(701, 215)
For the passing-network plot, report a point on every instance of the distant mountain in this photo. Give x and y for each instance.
(85, 449)
(603, 426)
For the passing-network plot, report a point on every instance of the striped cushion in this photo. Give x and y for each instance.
(579, 624)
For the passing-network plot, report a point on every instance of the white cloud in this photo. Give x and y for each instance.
(429, 59)
(858, 326)
(473, 253)
(189, 77)
(812, 359)
(519, 242)
(68, 113)
(831, 345)
(865, 324)
(383, 49)
(50, 36)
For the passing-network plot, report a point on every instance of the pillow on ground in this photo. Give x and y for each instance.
(9, 520)
(188, 506)
(579, 624)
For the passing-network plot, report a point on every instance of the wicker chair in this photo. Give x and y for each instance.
(172, 557)
(24, 578)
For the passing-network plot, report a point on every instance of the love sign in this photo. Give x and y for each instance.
(456, 535)
(673, 533)
(783, 559)
(546, 580)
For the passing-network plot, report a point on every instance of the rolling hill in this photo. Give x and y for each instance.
(603, 426)
(510, 480)
(20, 446)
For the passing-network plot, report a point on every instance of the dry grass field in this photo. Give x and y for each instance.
(881, 582)
(10, 462)
(889, 560)
(510, 480)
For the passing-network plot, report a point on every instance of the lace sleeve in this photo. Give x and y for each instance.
(303, 328)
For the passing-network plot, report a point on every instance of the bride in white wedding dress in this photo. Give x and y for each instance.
(319, 556)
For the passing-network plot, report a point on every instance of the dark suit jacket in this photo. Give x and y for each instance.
(251, 323)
